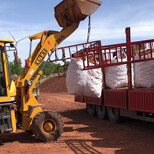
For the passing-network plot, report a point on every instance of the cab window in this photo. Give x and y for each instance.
(2, 78)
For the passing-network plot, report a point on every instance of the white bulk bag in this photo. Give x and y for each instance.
(76, 78)
(83, 83)
(93, 85)
(116, 76)
(144, 73)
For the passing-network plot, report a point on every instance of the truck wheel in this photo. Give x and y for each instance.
(91, 109)
(113, 114)
(101, 111)
(47, 126)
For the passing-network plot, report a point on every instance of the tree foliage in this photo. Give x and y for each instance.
(50, 68)
(15, 67)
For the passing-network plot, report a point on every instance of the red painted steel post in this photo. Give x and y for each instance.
(129, 72)
(59, 72)
(102, 61)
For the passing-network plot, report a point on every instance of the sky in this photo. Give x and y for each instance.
(108, 23)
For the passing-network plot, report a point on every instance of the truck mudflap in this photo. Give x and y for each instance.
(115, 98)
(88, 100)
(141, 100)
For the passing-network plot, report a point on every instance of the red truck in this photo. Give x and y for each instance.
(130, 101)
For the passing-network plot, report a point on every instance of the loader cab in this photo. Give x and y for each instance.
(5, 82)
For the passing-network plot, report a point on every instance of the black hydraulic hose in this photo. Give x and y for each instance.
(30, 49)
(47, 60)
(89, 29)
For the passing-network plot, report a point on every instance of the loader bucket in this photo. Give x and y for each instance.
(69, 11)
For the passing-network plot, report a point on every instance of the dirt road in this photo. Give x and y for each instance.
(82, 133)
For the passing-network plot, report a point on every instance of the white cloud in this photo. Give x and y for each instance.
(106, 26)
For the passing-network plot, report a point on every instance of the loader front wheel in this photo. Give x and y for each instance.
(47, 126)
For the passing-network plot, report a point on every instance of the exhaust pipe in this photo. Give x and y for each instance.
(70, 11)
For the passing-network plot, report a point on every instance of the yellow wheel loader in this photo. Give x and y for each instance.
(18, 105)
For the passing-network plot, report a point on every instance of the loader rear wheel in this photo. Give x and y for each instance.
(47, 126)
(101, 112)
(113, 114)
(91, 109)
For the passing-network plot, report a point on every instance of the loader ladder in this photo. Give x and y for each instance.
(5, 118)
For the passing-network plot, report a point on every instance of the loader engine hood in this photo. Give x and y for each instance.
(70, 11)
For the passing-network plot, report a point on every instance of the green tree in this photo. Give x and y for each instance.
(51, 68)
(63, 69)
(16, 67)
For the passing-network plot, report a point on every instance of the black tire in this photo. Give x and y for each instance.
(30, 132)
(47, 126)
(113, 114)
(91, 109)
(101, 111)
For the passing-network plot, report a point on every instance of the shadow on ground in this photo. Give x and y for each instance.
(129, 136)
(21, 137)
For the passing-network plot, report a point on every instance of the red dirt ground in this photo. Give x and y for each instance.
(53, 85)
(82, 134)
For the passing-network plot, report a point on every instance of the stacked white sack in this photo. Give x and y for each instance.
(116, 76)
(93, 85)
(144, 73)
(83, 83)
(76, 78)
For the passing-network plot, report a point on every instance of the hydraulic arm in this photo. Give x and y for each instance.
(49, 41)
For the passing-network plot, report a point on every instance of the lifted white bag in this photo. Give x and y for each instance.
(76, 78)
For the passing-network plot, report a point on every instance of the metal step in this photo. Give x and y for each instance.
(9, 130)
(6, 117)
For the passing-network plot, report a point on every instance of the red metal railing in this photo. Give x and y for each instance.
(124, 53)
(101, 57)
(68, 52)
(64, 54)
(64, 67)
(137, 99)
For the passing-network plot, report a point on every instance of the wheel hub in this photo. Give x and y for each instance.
(49, 126)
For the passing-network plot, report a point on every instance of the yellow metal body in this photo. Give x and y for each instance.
(10, 87)
(4, 41)
(13, 120)
(49, 42)
(68, 13)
